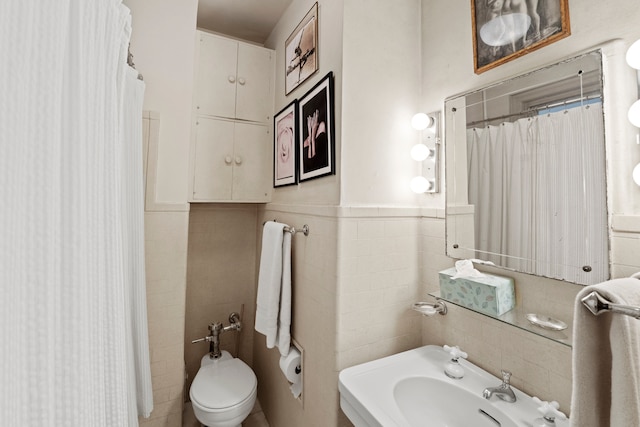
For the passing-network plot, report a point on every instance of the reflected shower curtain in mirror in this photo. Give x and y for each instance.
(71, 256)
(527, 179)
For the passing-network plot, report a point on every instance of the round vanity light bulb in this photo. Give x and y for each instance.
(421, 121)
(636, 174)
(633, 55)
(420, 184)
(634, 113)
(420, 152)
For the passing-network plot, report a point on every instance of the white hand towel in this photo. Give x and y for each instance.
(271, 285)
(284, 325)
(606, 359)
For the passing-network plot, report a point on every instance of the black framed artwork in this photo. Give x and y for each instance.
(285, 136)
(316, 141)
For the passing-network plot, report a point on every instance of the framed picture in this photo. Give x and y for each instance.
(507, 29)
(316, 144)
(301, 51)
(285, 137)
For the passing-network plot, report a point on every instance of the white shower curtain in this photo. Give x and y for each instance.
(73, 341)
(529, 180)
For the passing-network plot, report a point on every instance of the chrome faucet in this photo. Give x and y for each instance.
(503, 391)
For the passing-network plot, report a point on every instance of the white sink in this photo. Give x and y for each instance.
(410, 389)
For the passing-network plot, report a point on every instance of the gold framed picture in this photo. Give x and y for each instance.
(504, 30)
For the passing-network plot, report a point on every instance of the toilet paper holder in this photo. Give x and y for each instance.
(291, 367)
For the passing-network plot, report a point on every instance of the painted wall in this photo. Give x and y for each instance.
(163, 43)
(381, 92)
(325, 191)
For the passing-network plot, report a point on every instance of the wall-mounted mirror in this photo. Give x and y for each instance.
(525, 173)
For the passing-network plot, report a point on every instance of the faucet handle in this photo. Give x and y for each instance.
(549, 410)
(506, 377)
(455, 352)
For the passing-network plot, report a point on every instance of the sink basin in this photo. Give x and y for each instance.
(422, 398)
(410, 389)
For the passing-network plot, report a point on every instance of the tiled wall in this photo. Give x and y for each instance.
(313, 327)
(540, 367)
(166, 257)
(379, 279)
(354, 279)
(221, 278)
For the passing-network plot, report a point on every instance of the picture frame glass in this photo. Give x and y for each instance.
(316, 145)
(301, 51)
(285, 146)
(504, 30)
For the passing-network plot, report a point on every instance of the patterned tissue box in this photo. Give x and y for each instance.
(493, 295)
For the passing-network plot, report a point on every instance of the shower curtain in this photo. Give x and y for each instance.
(73, 341)
(528, 179)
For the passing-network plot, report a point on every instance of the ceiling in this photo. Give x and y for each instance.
(250, 20)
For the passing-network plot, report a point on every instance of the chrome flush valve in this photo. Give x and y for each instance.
(215, 329)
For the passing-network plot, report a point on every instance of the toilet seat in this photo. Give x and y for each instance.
(223, 384)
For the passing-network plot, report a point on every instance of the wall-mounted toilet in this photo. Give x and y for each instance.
(223, 392)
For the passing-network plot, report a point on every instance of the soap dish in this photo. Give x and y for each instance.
(546, 322)
(429, 309)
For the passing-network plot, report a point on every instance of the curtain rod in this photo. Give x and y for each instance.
(534, 110)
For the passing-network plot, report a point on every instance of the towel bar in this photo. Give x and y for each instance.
(293, 230)
(598, 305)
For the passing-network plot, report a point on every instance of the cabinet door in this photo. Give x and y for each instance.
(252, 179)
(214, 160)
(216, 76)
(254, 100)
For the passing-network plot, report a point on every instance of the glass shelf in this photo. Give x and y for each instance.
(518, 318)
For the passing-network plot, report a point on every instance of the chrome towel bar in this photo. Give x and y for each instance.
(293, 230)
(598, 305)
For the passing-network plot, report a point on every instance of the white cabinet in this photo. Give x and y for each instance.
(234, 79)
(232, 161)
(231, 145)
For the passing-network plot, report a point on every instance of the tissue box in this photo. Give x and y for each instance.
(493, 295)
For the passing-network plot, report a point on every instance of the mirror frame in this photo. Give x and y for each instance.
(617, 78)
(458, 212)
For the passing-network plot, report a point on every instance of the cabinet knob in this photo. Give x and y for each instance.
(242, 81)
(232, 79)
(228, 160)
(238, 160)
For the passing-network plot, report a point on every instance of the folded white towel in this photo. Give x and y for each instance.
(606, 359)
(273, 305)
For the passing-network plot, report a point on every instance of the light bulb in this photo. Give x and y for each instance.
(421, 121)
(636, 174)
(420, 152)
(420, 184)
(633, 55)
(634, 113)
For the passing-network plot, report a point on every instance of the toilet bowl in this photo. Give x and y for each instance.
(223, 392)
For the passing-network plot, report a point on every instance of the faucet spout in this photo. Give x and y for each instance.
(503, 391)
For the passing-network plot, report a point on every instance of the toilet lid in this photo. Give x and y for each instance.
(223, 384)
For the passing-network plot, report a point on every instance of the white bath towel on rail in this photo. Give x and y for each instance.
(606, 359)
(273, 305)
